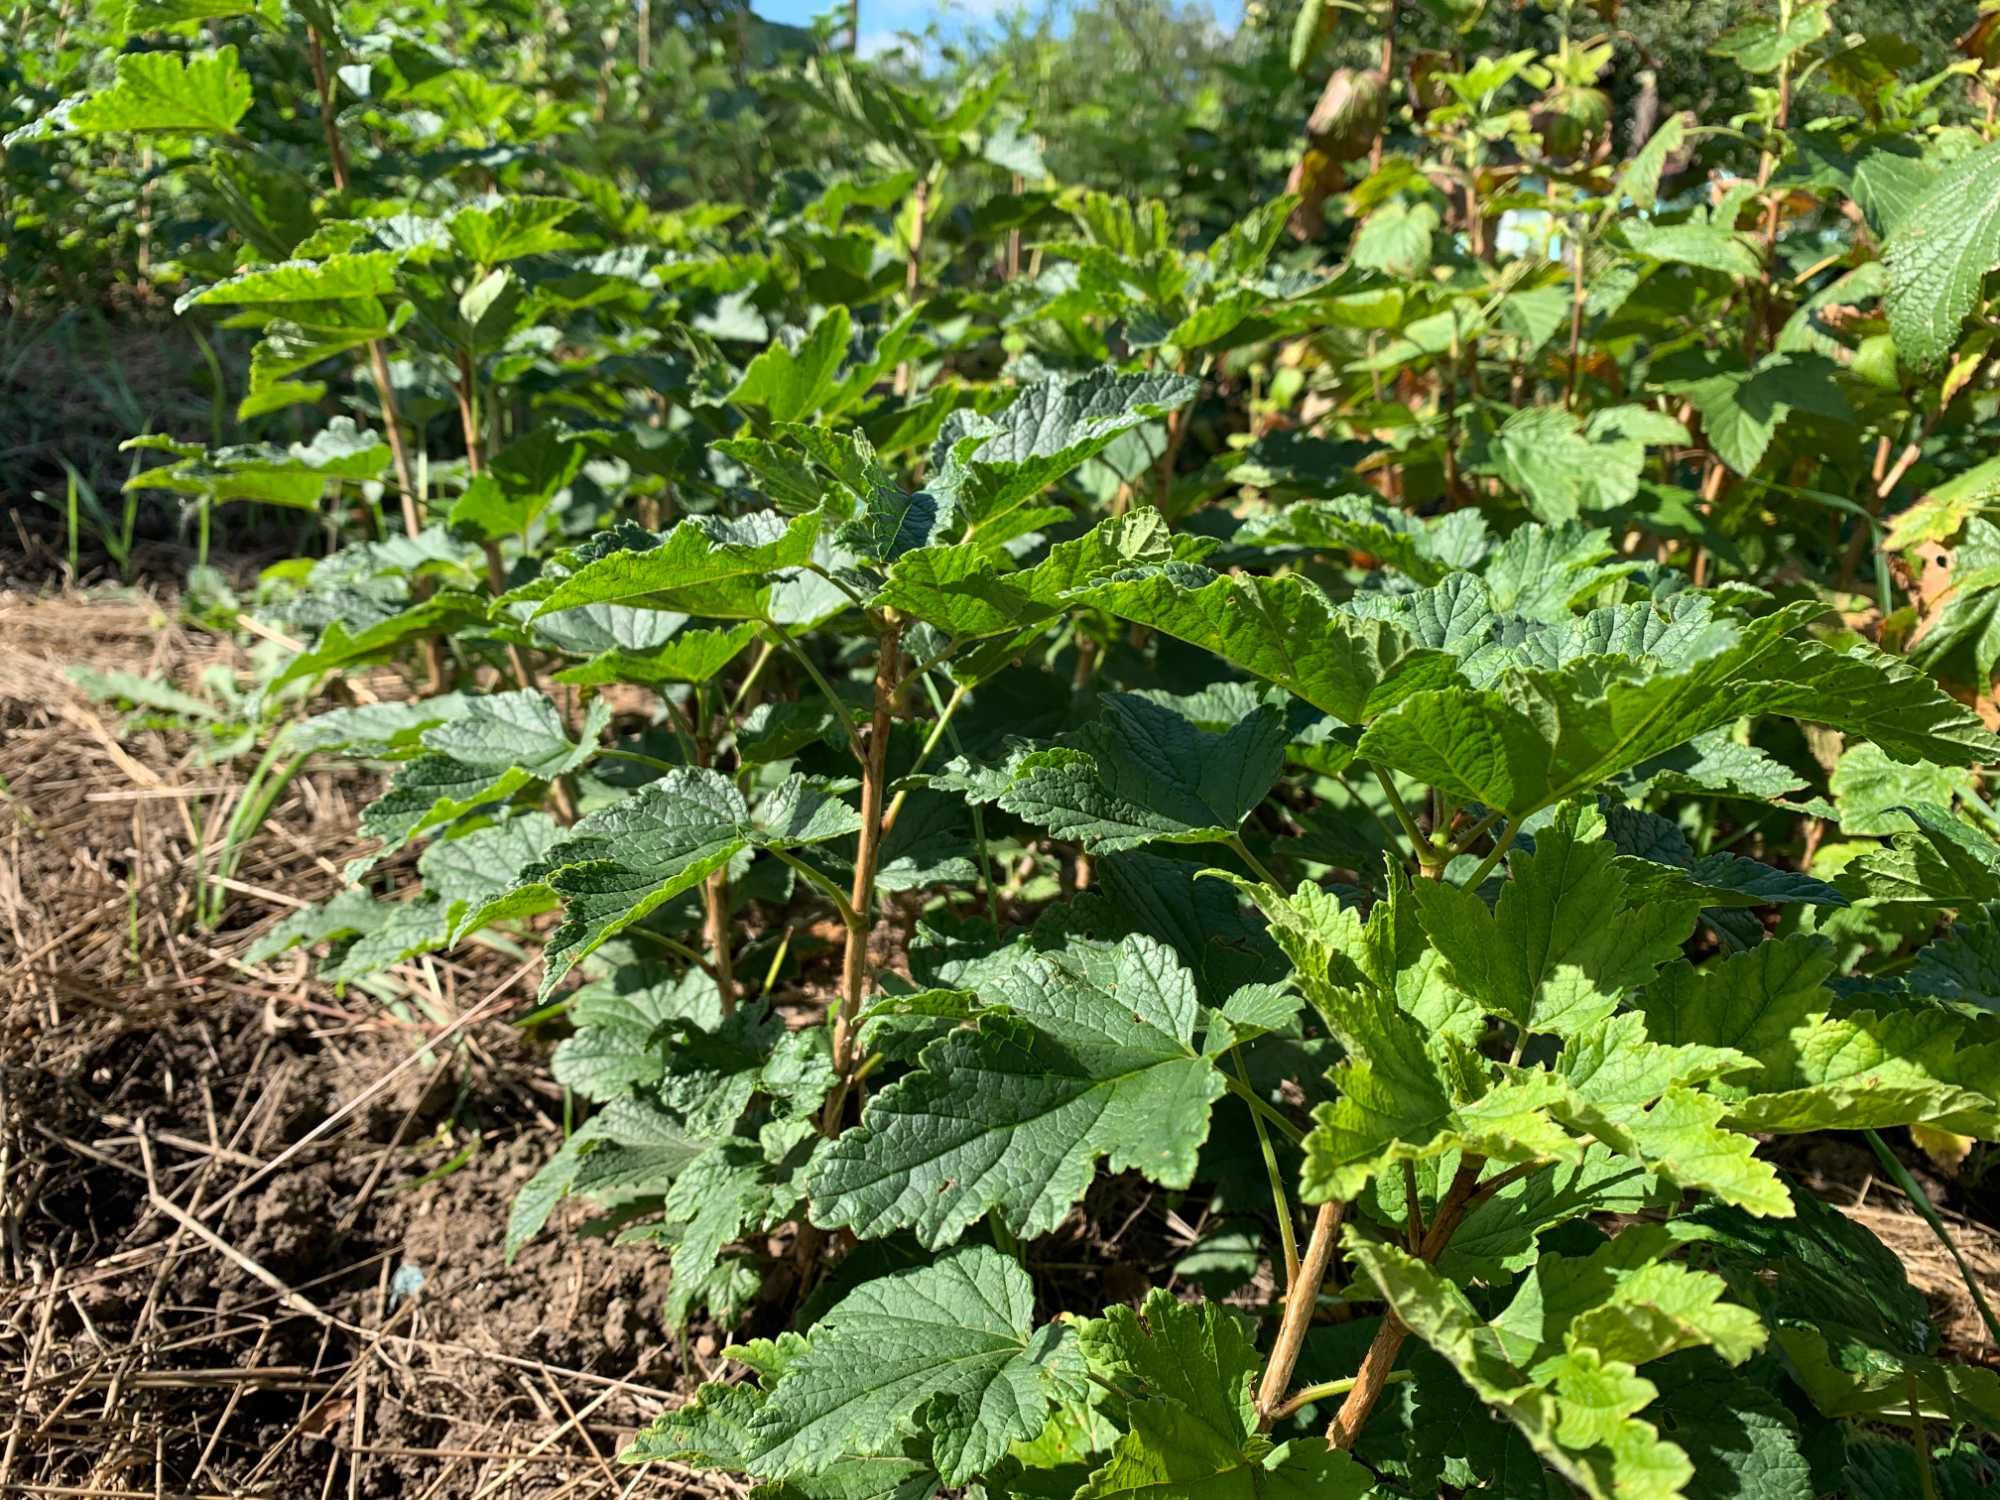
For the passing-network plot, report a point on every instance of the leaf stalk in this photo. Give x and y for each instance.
(1281, 1204)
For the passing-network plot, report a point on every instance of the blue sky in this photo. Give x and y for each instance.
(882, 19)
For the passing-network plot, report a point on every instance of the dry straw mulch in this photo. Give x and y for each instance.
(250, 1228)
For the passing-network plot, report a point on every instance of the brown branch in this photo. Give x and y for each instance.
(336, 150)
(1388, 65)
(715, 903)
(1373, 1376)
(1369, 1382)
(496, 570)
(1299, 1305)
(378, 358)
(861, 898)
(1578, 297)
(1178, 422)
(715, 889)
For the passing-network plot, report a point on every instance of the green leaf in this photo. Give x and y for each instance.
(469, 883)
(1750, 1002)
(1820, 1069)
(1885, 1469)
(1411, 1087)
(1578, 1409)
(445, 611)
(1563, 467)
(1396, 238)
(1822, 1269)
(519, 483)
(1307, 32)
(404, 928)
(949, 1349)
(1538, 738)
(1939, 254)
(792, 382)
(1073, 1060)
(511, 228)
(689, 656)
(1141, 772)
(349, 913)
(1742, 408)
(375, 731)
(1716, 764)
(1943, 860)
(142, 692)
(1763, 43)
(1869, 789)
(299, 335)
(1870, 1071)
(888, 521)
(706, 565)
(892, 522)
(987, 467)
(1192, 1432)
(624, 861)
(1502, 1234)
(1855, 1335)
(298, 476)
(1696, 241)
(158, 15)
(713, 1431)
(621, 1024)
(342, 450)
(1541, 572)
(1284, 630)
(621, 863)
(593, 628)
(1659, 864)
(474, 877)
(1392, 1109)
(1564, 942)
(500, 745)
(202, 92)
(370, 273)
(1964, 964)
(1642, 1100)
(1425, 549)
(1627, 1303)
(629, 1150)
(1639, 179)
(1962, 643)
(1938, 516)
(1735, 1429)
(968, 593)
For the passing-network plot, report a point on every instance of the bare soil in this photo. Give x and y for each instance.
(250, 1228)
